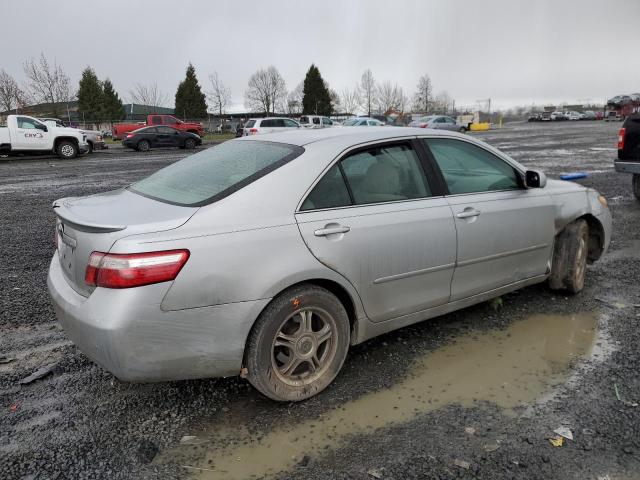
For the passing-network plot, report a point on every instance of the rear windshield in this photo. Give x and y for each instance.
(250, 123)
(216, 172)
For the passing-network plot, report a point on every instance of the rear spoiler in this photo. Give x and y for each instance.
(81, 224)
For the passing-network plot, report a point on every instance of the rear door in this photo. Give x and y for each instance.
(505, 231)
(376, 218)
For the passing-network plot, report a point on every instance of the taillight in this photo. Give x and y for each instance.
(125, 270)
(129, 135)
(253, 131)
(621, 135)
(423, 125)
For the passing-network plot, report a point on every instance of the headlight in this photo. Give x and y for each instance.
(603, 201)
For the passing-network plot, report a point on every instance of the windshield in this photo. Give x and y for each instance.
(427, 119)
(215, 172)
(351, 122)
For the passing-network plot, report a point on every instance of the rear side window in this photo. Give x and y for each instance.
(156, 120)
(316, 121)
(385, 174)
(268, 123)
(378, 174)
(215, 173)
(329, 192)
(304, 119)
(468, 168)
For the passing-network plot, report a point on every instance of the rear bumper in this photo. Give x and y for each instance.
(627, 167)
(126, 332)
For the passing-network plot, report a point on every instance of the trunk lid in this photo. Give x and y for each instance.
(94, 223)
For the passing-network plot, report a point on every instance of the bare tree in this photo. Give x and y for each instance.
(219, 95)
(47, 83)
(422, 98)
(367, 91)
(350, 100)
(149, 95)
(294, 100)
(11, 96)
(266, 91)
(390, 98)
(442, 102)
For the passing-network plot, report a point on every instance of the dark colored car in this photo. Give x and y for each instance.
(161, 136)
(629, 151)
(239, 130)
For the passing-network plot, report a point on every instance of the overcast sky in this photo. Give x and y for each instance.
(513, 51)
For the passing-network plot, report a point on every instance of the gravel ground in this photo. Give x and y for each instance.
(81, 422)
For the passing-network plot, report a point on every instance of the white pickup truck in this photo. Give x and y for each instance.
(25, 134)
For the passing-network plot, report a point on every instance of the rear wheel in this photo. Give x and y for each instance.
(67, 149)
(90, 148)
(636, 185)
(462, 130)
(143, 146)
(298, 345)
(570, 258)
(189, 144)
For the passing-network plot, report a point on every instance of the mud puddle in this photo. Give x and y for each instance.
(509, 368)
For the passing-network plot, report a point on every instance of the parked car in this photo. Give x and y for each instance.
(239, 130)
(24, 134)
(120, 130)
(589, 115)
(629, 151)
(362, 122)
(439, 122)
(557, 115)
(94, 137)
(573, 115)
(612, 116)
(534, 117)
(272, 255)
(146, 138)
(316, 121)
(546, 116)
(260, 126)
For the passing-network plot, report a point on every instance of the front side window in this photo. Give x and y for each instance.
(167, 130)
(468, 168)
(27, 123)
(304, 119)
(215, 172)
(290, 123)
(326, 121)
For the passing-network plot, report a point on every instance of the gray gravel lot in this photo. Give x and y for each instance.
(474, 394)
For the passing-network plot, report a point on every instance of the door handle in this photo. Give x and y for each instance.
(323, 232)
(468, 213)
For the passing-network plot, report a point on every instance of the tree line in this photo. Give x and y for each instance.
(266, 92)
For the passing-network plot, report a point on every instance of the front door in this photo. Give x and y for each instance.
(505, 231)
(373, 218)
(30, 135)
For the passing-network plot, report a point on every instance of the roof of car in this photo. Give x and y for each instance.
(352, 135)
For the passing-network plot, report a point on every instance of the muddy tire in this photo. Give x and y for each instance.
(67, 149)
(636, 185)
(143, 146)
(570, 258)
(298, 344)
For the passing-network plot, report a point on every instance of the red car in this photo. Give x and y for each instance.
(120, 130)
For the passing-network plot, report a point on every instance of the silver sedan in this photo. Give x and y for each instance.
(439, 122)
(269, 258)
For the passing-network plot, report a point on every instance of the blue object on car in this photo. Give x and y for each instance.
(574, 176)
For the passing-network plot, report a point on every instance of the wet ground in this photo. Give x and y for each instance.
(474, 394)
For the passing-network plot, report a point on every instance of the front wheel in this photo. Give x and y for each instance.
(462, 130)
(298, 344)
(143, 146)
(636, 185)
(570, 258)
(67, 149)
(189, 144)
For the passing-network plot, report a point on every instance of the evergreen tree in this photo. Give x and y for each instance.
(316, 98)
(112, 108)
(190, 101)
(90, 96)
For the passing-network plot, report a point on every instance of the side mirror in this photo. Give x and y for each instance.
(535, 179)
(42, 127)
